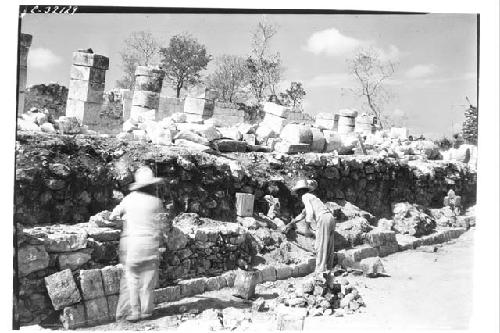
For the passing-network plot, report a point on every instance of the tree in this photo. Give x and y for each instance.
(470, 124)
(230, 77)
(265, 67)
(294, 95)
(371, 73)
(183, 60)
(140, 49)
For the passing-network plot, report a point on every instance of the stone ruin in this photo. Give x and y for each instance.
(24, 46)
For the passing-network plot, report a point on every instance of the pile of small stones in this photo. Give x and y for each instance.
(323, 294)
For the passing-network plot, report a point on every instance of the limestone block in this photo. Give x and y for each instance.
(283, 272)
(345, 129)
(91, 284)
(327, 121)
(399, 133)
(73, 260)
(288, 148)
(377, 237)
(190, 136)
(62, 289)
(86, 73)
(213, 283)
(73, 317)
(297, 134)
(87, 91)
(303, 269)
(228, 145)
(31, 258)
(66, 240)
(112, 301)
(23, 76)
(346, 121)
(97, 311)
(20, 104)
(196, 118)
(139, 135)
(372, 266)
(268, 272)
(192, 145)
(249, 139)
(274, 122)
(111, 276)
(90, 60)
(245, 283)
(142, 114)
(319, 142)
(85, 112)
(148, 83)
(275, 109)
(385, 250)
(47, 128)
(147, 99)
(198, 106)
(264, 132)
(167, 294)
(359, 253)
(348, 113)
(68, 125)
(230, 133)
(103, 234)
(244, 204)
(192, 287)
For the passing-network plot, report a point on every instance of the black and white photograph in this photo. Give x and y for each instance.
(221, 168)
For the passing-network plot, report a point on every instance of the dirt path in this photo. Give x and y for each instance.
(425, 290)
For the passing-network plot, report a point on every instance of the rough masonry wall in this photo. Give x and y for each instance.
(61, 179)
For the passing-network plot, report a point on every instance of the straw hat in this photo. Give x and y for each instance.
(301, 184)
(144, 177)
(313, 185)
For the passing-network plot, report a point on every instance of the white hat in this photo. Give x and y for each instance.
(144, 177)
(301, 184)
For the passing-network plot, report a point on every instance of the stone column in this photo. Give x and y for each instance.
(25, 43)
(347, 121)
(146, 98)
(86, 87)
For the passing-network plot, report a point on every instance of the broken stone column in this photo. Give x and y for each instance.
(86, 86)
(365, 124)
(25, 43)
(146, 98)
(199, 105)
(347, 121)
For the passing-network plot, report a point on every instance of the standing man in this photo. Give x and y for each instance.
(320, 220)
(140, 243)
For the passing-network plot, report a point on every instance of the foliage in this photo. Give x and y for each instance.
(294, 95)
(264, 67)
(470, 125)
(183, 60)
(371, 73)
(230, 77)
(140, 49)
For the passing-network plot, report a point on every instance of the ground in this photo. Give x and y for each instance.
(425, 289)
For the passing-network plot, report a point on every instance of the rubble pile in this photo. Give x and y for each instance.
(51, 97)
(412, 219)
(323, 294)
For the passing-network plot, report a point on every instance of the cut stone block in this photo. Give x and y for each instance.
(198, 106)
(87, 113)
(380, 237)
(268, 273)
(167, 294)
(318, 142)
(385, 250)
(73, 260)
(147, 99)
(32, 258)
(196, 118)
(353, 256)
(68, 125)
(275, 109)
(372, 266)
(228, 145)
(23, 76)
(283, 272)
(245, 283)
(111, 277)
(327, 121)
(148, 83)
(86, 91)
(142, 114)
(345, 129)
(86, 73)
(303, 269)
(66, 241)
(97, 311)
(213, 283)
(244, 204)
(104, 234)
(112, 301)
(288, 148)
(91, 284)
(346, 121)
(62, 289)
(399, 133)
(90, 60)
(73, 317)
(192, 287)
(274, 122)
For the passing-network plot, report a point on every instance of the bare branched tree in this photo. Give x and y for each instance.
(264, 66)
(230, 77)
(372, 73)
(141, 48)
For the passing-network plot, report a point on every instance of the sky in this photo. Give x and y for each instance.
(435, 54)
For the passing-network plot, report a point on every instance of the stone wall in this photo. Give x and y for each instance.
(64, 179)
(194, 248)
(51, 97)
